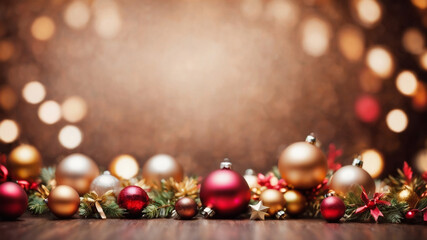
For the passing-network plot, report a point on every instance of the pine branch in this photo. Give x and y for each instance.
(36, 205)
(47, 174)
(422, 203)
(394, 213)
(113, 210)
(161, 206)
(85, 210)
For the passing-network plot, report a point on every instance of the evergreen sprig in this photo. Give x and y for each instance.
(36, 205)
(161, 206)
(47, 174)
(111, 209)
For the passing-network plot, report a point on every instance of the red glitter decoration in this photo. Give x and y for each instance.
(134, 199)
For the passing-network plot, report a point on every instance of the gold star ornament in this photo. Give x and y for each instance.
(258, 211)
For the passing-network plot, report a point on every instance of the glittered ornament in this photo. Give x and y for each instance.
(13, 200)
(186, 208)
(224, 193)
(63, 201)
(273, 199)
(24, 163)
(303, 165)
(161, 166)
(407, 195)
(295, 202)
(332, 208)
(77, 171)
(104, 183)
(124, 167)
(349, 178)
(134, 199)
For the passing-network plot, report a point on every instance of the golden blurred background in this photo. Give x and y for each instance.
(204, 80)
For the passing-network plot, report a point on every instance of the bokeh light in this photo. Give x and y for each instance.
(9, 131)
(369, 82)
(413, 41)
(315, 36)
(283, 12)
(351, 43)
(421, 4)
(74, 109)
(373, 162)
(423, 60)
(77, 14)
(251, 9)
(43, 28)
(367, 109)
(70, 137)
(7, 97)
(6, 50)
(368, 12)
(406, 83)
(380, 61)
(34, 92)
(421, 160)
(49, 112)
(419, 100)
(108, 21)
(397, 120)
(124, 166)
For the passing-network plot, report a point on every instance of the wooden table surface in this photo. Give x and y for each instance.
(28, 227)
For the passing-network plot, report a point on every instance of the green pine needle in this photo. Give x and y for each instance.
(113, 210)
(422, 203)
(47, 174)
(36, 205)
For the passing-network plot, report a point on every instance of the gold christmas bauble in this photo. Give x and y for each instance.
(407, 195)
(77, 171)
(161, 166)
(273, 199)
(349, 178)
(24, 163)
(303, 165)
(63, 201)
(295, 202)
(124, 167)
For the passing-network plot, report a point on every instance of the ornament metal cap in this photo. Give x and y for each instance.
(280, 215)
(249, 172)
(174, 214)
(225, 164)
(208, 212)
(311, 139)
(329, 194)
(357, 161)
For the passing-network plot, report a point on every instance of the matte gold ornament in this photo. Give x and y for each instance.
(63, 201)
(161, 166)
(295, 202)
(258, 211)
(77, 171)
(105, 182)
(303, 165)
(124, 167)
(24, 163)
(349, 178)
(407, 195)
(273, 199)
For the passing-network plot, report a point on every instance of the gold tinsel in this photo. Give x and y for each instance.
(188, 187)
(42, 191)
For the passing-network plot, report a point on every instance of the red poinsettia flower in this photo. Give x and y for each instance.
(333, 154)
(372, 204)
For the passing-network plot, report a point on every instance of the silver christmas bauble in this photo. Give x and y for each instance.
(104, 183)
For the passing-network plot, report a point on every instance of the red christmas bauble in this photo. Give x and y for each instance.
(332, 209)
(13, 200)
(411, 214)
(226, 193)
(134, 199)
